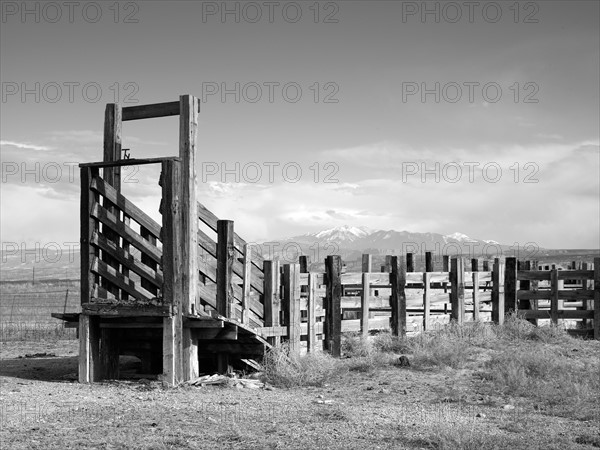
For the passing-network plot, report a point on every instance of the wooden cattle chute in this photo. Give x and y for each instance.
(189, 292)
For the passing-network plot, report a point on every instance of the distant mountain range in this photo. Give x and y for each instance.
(350, 242)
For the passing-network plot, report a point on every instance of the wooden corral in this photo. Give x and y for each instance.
(188, 295)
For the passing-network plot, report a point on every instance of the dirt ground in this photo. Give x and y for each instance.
(43, 407)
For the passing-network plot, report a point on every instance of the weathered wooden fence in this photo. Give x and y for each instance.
(317, 308)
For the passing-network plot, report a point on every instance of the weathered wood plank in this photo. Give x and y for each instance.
(151, 111)
(291, 305)
(554, 296)
(498, 292)
(311, 317)
(364, 304)
(510, 285)
(333, 331)
(126, 232)
(597, 298)
(457, 290)
(89, 349)
(110, 275)
(398, 297)
(128, 261)
(101, 187)
(225, 256)
(271, 297)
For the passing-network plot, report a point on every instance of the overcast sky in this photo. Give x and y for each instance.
(351, 119)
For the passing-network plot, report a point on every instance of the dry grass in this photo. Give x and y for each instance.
(283, 369)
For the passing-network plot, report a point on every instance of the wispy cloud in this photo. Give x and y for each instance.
(25, 145)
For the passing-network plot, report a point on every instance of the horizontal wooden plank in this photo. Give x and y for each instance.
(128, 208)
(127, 260)
(563, 294)
(150, 111)
(96, 307)
(208, 294)
(562, 314)
(539, 275)
(575, 274)
(109, 273)
(212, 323)
(126, 232)
(129, 162)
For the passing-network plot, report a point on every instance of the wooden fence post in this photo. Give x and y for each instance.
(510, 285)
(303, 260)
(225, 257)
(498, 292)
(554, 295)
(188, 131)
(457, 290)
(333, 324)
(398, 297)
(597, 298)
(271, 297)
(246, 283)
(428, 262)
(311, 338)
(426, 300)
(475, 270)
(410, 263)
(291, 305)
(533, 286)
(364, 305)
(524, 285)
(173, 285)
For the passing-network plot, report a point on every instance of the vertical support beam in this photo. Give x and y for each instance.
(510, 285)
(246, 284)
(498, 292)
(333, 324)
(457, 290)
(89, 348)
(271, 297)
(476, 302)
(89, 331)
(364, 304)
(428, 262)
(410, 263)
(311, 338)
(225, 255)
(112, 176)
(174, 344)
(188, 131)
(597, 298)
(398, 297)
(554, 296)
(486, 265)
(426, 300)
(291, 305)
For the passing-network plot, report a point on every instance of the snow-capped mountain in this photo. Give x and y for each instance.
(344, 233)
(350, 242)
